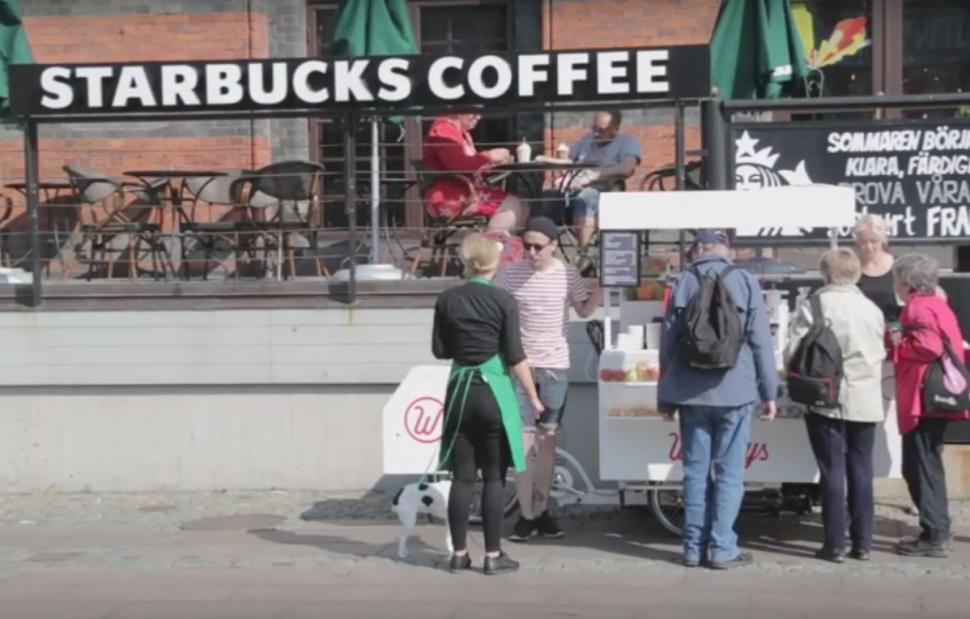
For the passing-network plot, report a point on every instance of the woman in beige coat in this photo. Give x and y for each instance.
(842, 438)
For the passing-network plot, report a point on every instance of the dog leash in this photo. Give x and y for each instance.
(462, 377)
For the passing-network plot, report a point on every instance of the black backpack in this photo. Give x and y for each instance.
(815, 371)
(946, 388)
(713, 333)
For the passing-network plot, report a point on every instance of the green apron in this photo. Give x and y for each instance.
(495, 373)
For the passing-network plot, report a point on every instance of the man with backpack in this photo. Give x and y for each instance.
(717, 366)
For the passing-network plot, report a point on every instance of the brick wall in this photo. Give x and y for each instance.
(635, 23)
(143, 30)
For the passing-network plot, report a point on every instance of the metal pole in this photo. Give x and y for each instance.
(33, 202)
(713, 134)
(680, 159)
(350, 198)
(375, 190)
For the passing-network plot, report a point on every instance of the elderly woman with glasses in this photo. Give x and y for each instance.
(843, 437)
(449, 147)
(927, 324)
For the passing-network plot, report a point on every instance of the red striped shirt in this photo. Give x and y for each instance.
(544, 298)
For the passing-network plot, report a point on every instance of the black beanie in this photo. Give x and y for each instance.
(543, 225)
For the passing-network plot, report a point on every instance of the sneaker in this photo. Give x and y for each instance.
(740, 560)
(500, 565)
(692, 561)
(459, 563)
(523, 530)
(548, 526)
(828, 554)
(922, 548)
(859, 555)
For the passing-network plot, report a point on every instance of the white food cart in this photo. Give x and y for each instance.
(637, 448)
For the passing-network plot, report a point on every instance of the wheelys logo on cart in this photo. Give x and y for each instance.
(756, 452)
(423, 419)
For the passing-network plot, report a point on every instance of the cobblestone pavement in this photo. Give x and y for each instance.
(283, 554)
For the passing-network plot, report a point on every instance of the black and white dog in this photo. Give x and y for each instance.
(421, 498)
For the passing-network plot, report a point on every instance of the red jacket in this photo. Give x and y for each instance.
(448, 148)
(923, 319)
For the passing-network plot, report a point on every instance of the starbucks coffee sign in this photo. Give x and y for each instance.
(392, 82)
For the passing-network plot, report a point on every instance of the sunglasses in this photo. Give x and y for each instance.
(536, 246)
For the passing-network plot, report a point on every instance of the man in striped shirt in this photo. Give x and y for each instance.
(545, 288)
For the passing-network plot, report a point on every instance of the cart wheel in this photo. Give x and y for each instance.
(668, 509)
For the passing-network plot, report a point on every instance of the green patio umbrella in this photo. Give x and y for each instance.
(373, 28)
(14, 48)
(756, 51)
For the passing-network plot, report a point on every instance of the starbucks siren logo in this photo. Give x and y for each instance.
(755, 169)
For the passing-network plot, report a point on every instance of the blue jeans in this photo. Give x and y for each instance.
(715, 440)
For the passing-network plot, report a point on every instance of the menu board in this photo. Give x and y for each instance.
(619, 259)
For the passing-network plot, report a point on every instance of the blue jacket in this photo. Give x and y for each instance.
(754, 378)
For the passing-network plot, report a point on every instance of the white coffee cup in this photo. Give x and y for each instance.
(636, 334)
(654, 331)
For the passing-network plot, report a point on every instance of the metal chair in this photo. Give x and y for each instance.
(439, 231)
(5, 255)
(102, 205)
(283, 204)
(215, 191)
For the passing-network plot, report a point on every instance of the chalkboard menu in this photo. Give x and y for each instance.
(619, 259)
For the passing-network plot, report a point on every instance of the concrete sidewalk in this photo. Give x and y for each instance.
(251, 555)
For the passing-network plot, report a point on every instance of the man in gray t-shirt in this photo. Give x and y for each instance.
(614, 155)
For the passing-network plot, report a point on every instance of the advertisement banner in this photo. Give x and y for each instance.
(915, 174)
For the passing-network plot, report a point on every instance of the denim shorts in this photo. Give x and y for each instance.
(552, 386)
(585, 202)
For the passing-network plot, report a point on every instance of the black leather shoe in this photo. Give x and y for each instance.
(827, 554)
(500, 565)
(459, 563)
(859, 555)
(742, 559)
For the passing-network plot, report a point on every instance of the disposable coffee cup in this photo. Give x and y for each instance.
(654, 331)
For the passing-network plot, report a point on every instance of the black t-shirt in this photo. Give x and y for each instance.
(882, 292)
(475, 321)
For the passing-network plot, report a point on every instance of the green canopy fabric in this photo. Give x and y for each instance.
(373, 28)
(756, 51)
(14, 48)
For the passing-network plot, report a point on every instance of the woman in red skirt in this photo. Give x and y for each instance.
(448, 147)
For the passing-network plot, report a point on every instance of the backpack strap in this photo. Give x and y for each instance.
(818, 320)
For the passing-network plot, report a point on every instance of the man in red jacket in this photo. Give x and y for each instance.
(925, 320)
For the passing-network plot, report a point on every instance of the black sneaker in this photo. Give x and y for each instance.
(834, 555)
(859, 555)
(742, 559)
(523, 530)
(548, 526)
(459, 563)
(500, 565)
(922, 548)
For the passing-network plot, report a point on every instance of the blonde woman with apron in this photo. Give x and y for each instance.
(477, 326)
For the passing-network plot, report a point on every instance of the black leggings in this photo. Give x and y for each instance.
(480, 443)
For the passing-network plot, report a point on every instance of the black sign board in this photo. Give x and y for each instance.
(916, 174)
(378, 82)
(619, 259)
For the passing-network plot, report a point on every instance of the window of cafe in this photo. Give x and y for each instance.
(440, 26)
(861, 47)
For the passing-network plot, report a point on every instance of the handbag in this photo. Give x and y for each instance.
(946, 388)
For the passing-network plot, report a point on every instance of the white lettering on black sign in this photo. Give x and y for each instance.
(594, 75)
(916, 176)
